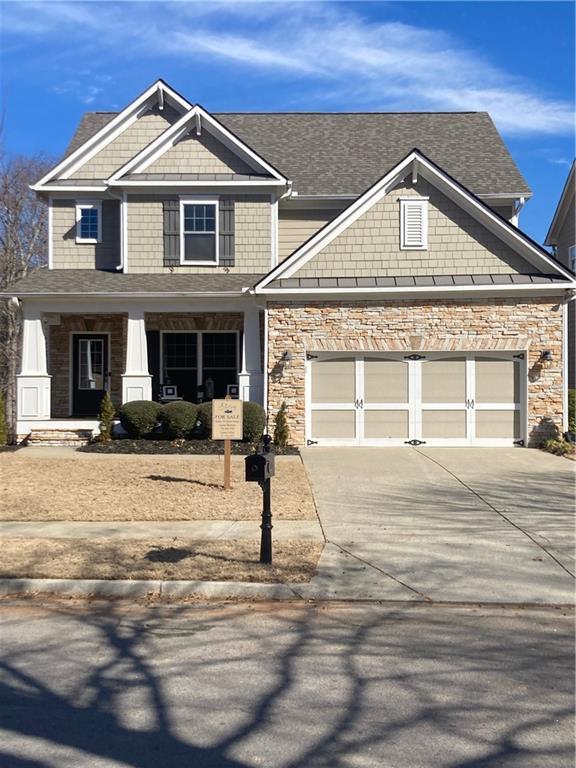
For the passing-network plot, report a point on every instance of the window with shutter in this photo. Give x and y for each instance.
(414, 223)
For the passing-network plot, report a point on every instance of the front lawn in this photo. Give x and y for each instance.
(163, 559)
(122, 488)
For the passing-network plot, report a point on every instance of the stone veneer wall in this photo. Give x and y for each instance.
(417, 325)
(59, 355)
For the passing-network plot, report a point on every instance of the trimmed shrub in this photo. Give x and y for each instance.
(205, 418)
(3, 425)
(572, 410)
(106, 419)
(559, 447)
(139, 417)
(281, 429)
(178, 418)
(253, 422)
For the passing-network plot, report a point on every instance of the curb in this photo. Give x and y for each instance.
(150, 589)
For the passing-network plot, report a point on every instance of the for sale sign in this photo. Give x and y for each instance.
(227, 419)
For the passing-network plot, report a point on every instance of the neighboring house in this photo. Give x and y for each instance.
(364, 268)
(562, 237)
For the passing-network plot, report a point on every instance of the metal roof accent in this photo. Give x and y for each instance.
(408, 281)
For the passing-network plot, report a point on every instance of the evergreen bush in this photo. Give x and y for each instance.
(106, 419)
(139, 417)
(572, 410)
(205, 418)
(178, 419)
(253, 422)
(281, 429)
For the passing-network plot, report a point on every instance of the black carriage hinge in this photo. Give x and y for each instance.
(415, 442)
(521, 356)
(311, 357)
(414, 357)
(311, 442)
(519, 442)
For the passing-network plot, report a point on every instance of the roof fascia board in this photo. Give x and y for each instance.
(420, 291)
(129, 295)
(499, 226)
(112, 129)
(167, 139)
(328, 233)
(71, 188)
(561, 208)
(167, 185)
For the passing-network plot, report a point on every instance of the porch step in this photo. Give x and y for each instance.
(55, 437)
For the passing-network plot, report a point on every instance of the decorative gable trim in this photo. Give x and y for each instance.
(160, 90)
(563, 206)
(199, 119)
(417, 163)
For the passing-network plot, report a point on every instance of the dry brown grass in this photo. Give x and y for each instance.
(166, 559)
(120, 488)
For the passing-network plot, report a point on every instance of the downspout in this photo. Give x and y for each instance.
(570, 296)
(122, 199)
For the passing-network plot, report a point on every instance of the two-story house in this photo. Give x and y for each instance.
(562, 237)
(367, 269)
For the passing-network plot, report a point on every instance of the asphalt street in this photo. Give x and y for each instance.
(88, 685)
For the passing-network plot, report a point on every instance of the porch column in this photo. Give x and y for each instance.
(33, 381)
(251, 378)
(136, 381)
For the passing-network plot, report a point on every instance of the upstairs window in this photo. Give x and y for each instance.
(89, 222)
(414, 223)
(199, 232)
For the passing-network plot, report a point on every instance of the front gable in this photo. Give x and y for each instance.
(202, 153)
(457, 244)
(363, 247)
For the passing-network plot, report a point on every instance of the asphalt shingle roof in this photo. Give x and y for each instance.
(92, 281)
(345, 153)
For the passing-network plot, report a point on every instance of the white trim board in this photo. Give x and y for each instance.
(170, 136)
(445, 184)
(111, 130)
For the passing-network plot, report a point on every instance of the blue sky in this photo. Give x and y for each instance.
(513, 59)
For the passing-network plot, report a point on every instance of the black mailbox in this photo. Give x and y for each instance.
(259, 467)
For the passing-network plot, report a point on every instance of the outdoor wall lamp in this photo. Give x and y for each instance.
(546, 359)
(287, 357)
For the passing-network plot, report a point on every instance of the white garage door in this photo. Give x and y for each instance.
(396, 399)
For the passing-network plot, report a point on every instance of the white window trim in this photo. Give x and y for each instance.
(200, 201)
(572, 258)
(423, 203)
(88, 204)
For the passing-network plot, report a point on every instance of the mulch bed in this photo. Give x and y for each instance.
(199, 447)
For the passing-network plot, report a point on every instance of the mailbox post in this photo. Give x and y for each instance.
(260, 468)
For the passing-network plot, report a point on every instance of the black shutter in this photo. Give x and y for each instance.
(171, 233)
(153, 346)
(226, 233)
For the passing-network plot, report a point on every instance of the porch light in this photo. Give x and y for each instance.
(287, 357)
(546, 359)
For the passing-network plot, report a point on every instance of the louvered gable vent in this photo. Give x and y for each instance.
(414, 223)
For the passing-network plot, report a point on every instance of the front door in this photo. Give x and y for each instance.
(89, 373)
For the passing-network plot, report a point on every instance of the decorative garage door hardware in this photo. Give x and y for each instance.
(441, 398)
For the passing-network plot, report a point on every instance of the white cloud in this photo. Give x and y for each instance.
(344, 59)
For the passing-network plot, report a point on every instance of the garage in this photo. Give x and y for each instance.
(435, 398)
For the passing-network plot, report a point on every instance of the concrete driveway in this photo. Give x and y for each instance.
(444, 524)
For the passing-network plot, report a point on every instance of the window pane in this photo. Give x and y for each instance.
(199, 247)
(89, 223)
(219, 350)
(180, 350)
(91, 364)
(199, 218)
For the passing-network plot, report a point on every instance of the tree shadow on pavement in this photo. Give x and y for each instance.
(297, 686)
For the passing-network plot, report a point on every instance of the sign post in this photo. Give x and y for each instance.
(227, 426)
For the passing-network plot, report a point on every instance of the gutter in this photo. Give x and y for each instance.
(132, 295)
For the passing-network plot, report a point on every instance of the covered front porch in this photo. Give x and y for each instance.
(72, 353)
